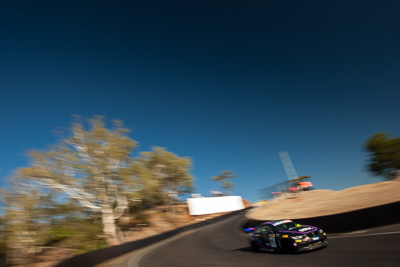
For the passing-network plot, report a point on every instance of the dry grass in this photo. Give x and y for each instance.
(157, 223)
(327, 202)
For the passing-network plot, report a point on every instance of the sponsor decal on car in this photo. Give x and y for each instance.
(306, 229)
(285, 236)
(281, 222)
(315, 238)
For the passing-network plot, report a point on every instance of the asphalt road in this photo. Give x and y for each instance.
(224, 244)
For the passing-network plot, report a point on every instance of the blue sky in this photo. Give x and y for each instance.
(228, 83)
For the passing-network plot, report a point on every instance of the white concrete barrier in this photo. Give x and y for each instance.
(209, 205)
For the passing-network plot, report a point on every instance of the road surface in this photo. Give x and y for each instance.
(224, 244)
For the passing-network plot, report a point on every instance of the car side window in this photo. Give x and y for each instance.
(265, 229)
(269, 228)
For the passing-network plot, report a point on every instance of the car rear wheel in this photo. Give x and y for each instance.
(254, 247)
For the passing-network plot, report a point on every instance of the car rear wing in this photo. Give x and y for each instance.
(249, 230)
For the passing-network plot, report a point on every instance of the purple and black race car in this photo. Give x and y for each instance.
(286, 236)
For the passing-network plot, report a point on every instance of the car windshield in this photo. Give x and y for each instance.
(287, 226)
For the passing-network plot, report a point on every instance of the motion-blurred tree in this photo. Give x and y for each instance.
(223, 177)
(26, 221)
(384, 155)
(93, 167)
(162, 175)
(3, 243)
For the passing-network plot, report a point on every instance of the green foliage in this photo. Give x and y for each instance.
(27, 219)
(80, 234)
(88, 237)
(75, 192)
(92, 167)
(59, 233)
(223, 178)
(161, 172)
(384, 154)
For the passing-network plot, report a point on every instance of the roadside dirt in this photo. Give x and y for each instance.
(157, 223)
(323, 202)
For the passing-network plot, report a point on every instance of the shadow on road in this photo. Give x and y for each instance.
(349, 221)
(249, 250)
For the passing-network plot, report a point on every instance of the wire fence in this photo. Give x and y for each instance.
(283, 188)
(273, 191)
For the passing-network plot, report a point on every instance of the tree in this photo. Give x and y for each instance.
(223, 177)
(92, 167)
(26, 220)
(162, 174)
(3, 243)
(384, 154)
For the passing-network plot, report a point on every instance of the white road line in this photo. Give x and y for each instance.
(348, 236)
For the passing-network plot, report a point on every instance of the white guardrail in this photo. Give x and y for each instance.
(209, 205)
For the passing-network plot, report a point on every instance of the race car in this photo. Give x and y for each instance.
(286, 236)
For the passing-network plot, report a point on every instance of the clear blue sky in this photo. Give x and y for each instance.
(228, 83)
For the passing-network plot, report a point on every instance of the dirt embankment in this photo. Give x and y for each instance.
(322, 202)
(158, 222)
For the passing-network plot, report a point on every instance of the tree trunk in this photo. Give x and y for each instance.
(109, 227)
